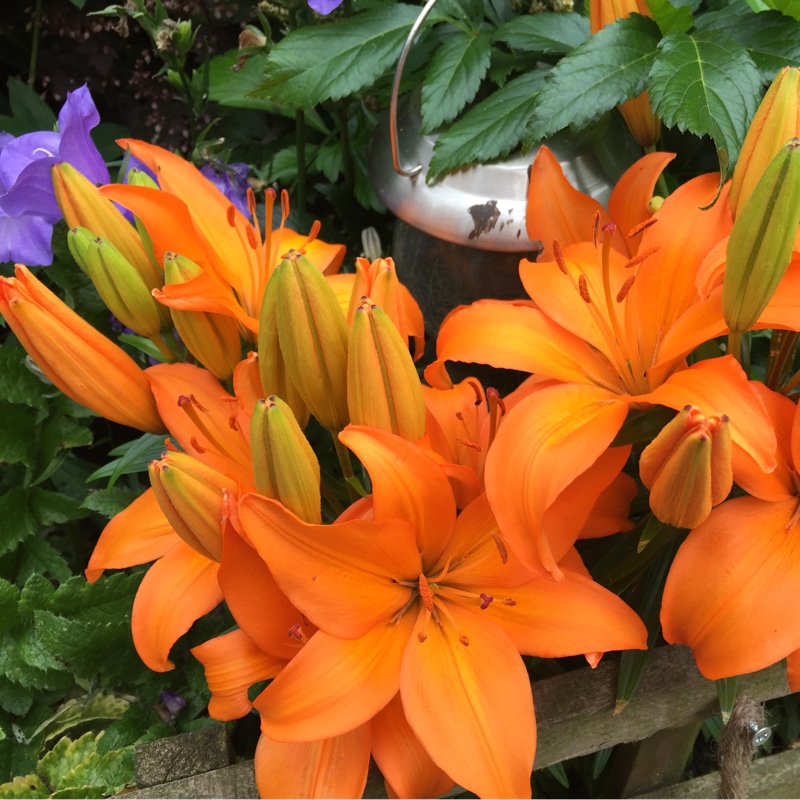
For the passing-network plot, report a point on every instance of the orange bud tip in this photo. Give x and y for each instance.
(501, 548)
(583, 288)
(463, 639)
(422, 636)
(486, 601)
(509, 601)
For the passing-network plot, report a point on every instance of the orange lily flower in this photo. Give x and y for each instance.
(745, 554)
(188, 215)
(429, 602)
(614, 333)
(182, 585)
(81, 362)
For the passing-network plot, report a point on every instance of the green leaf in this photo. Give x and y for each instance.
(726, 694)
(52, 508)
(771, 39)
(134, 457)
(14, 699)
(493, 128)
(707, 84)
(19, 384)
(231, 88)
(558, 772)
(791, 8)
(671, 17)
(24, 786)
(547, 34)
(110, 502)
(327, 62)
(99, 707)
(455, 75)
(30, 112)
(17, 442)
(9, 600)
(14, 667)
(17, 520)
(469, 11)
(39, 556)
(609, 68)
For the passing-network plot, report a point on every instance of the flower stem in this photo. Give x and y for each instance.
(343, 454)
(37, 25)
(782, 347)
(735, 345)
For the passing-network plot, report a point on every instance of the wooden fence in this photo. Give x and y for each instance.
(574, 718)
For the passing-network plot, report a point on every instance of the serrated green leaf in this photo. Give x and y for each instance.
(670, 17)
(39, 556)
(30, 112)
(17, 520)
(78, 792)
(33, 653)
(328, 62)
(110, 502)
(24, 786)
(232, 88)
(130, 728)
(52, 508)
(493, 128)
(9, 600)
(15, 669)
(470, 11)
(771, 39)
(609, 68)
(547, 34)
(79, 711)
(133, 457)
(707, 84)
(17, 442)
(19, 384)
(36, 593)
(455, 75)
(14, 699)
(791, 8)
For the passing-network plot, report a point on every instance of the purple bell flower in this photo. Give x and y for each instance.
(324, 6)
(28, 207)
(231, 180)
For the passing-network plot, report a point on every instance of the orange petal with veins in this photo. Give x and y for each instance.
(177, 590)
(334, 767)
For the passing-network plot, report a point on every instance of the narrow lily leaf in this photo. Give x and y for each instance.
(558, 772)
(772, 39)
(548, 34)
(145, 345)
(134, 457)
(609, 68)
(454, 77)
(493, 128)
(707, 84)
(327, 62)
(600, 760)
(671, 17)
(652, 528)
(726, 693)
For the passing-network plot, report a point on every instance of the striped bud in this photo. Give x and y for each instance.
(285, 467)
(313, 339)
(383, 388)
(195, 498)
(762, 240)
(687, 467)
(119, 285)
(213, 339)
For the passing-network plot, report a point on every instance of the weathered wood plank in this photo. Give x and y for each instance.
(775, 776)
(573, 714)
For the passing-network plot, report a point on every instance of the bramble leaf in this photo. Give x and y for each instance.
(454, 77)
(331, 61)
(493, 128)
(547, 33)
(707, 84)
(609, 68)
(670, 17)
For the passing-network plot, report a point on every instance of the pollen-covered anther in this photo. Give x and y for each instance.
(626, 287)
(251, 237)
(469, 444)
(486, 601)
(583, 288)
(425, 593)
(231, 215)
(559, 257)
(464, 640)
(640, 257)
(595, 227)
(509, 601)
(641, 227)
(196, 446)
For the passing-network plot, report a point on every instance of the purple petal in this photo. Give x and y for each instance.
(26, 240)
(231, 180)
(32, 193)
(77, 117)
(22, 151)
(324, 6)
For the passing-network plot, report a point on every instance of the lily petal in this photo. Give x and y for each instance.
(232, 664)
(463, 700)
(611, 510)
(322, 768)
(177, 590)
(334, 685)
(744, 554)
(404, 763)
(136, 535)
(407, 484)
(342, 577)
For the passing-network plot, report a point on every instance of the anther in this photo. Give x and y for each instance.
(559, 257)
(583, 288)
(425, 593)
(232, 423)
(509, 601)
(626, 287)
(251, 238)
(422, 636)
(595, 227)
(637, 229)
(477, 389)
(231, 215)
(196, 445)
(169, 445)
(639, 257)
(463, 639)
(501, 547)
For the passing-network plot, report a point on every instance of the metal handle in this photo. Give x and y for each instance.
(407, 173)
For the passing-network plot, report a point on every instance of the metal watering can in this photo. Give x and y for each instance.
(460, 238)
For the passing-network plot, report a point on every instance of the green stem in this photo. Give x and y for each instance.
(37, 25)
(791, 385)
(330, 498)
(343, 454)
(189, 95)
(300, 143)
(735, 345)
(782, 348)
(344, 137)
